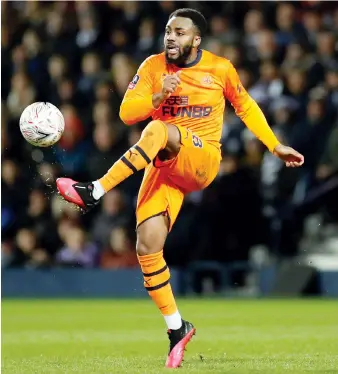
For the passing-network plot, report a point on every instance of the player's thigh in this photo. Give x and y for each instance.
(197, 163)
(158, 196)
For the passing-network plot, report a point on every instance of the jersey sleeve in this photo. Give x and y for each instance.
(247, 109)
(137, 104)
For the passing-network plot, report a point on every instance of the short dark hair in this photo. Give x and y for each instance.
(196, 17)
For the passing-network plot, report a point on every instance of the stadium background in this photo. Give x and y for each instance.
(81, 56)
(260, 228)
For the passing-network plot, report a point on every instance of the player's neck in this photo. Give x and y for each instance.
(193, 59)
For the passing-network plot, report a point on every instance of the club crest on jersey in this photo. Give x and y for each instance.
(133, 83)
(207, 80)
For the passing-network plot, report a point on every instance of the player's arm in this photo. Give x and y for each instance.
(137, 104)
(247, 109)
(140, 101)
(250, 113)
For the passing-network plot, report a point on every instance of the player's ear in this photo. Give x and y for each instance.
(197, 41)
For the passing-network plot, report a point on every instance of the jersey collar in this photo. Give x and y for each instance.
(195, 62)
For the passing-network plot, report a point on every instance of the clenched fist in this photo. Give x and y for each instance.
(170, 84)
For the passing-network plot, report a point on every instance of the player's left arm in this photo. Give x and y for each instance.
(250, 113)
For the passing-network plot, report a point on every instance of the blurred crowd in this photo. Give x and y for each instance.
(80, 56)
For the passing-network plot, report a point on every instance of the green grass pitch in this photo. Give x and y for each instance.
(125, 336)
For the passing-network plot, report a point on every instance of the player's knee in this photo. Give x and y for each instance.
(150, 242)
(151, 235)
(145, 247)
(155, 129)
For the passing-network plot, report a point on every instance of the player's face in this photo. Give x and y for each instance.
(179, 40)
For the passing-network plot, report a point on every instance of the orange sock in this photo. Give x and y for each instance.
(154, 138)
(156, 281)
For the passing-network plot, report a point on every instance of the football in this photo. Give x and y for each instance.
(42, 124)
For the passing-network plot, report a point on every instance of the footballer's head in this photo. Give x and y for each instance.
(183, 34)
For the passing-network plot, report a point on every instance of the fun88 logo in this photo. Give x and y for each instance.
(189, 111)
(171, 109)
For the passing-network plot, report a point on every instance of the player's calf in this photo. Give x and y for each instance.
(153, 139)
(151, 236)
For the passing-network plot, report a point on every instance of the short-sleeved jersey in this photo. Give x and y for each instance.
(199, 101)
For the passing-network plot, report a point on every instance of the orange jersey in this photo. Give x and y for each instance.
(198, 102)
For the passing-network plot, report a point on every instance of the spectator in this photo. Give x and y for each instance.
(11, 179)
(103, 91)
(214, 46)
(325, 43)
(267, 47)
(91, 74)
(88, 36)
(220, 28)
(108, 148)
(36, 61)
(38, 218)
(331, 81)
(146, 45)
(123, 71)
(296, 58)
(283, 112)
(132, 15)
(19, 59)
(269, 87)
(121, 251)
(118, 41)
(289, 30)
(102, 113)
(253, 24)
(318, 125)
(328, 164)
(234, 54)
(114, 213)
(60, 40)
(312, 22)
(57, 68)
(21, 95)
(71, 149)
(296, 88)
(27, 252)
(67, 95)
(78, 250)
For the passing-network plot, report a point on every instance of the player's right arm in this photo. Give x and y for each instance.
(140, 101)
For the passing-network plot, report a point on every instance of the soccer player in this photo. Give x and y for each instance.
(184, 91)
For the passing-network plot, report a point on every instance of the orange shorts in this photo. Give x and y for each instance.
(166, 182)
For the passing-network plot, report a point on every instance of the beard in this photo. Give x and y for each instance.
(182, 57)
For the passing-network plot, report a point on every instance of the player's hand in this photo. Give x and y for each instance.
(170, 84)
(291, 157)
